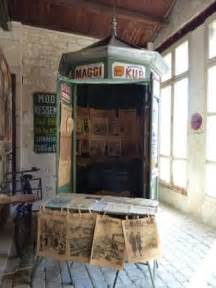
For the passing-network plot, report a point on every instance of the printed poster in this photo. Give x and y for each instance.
(51, 234)
(141, 240)
(97, 146)
(83, 123)
(80, 232)
(114, 146)
(66, 128)
(99, 126)
(108, 245)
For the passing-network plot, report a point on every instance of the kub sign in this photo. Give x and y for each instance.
(128, 71)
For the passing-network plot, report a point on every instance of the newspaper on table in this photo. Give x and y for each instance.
(108, 249)
(51, 234)
(141, 240)
(59, 201)
(80, 232)
(101, 203)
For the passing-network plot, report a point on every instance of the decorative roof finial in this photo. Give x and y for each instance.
(114, 26)
(114, 20)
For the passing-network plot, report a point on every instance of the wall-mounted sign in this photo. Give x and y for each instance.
(196, 121)
(44, 122)
(66, 92)
(128, 71)
(91, 71)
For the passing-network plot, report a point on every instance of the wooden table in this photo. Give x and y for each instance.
(110, 205)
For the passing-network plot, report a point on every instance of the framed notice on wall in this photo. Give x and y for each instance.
(44, 122)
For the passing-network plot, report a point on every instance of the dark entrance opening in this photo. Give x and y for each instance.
(110, 139)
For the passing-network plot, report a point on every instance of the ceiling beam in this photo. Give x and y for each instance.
(125, 13)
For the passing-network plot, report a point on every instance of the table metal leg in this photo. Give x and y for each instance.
(35, 266)
(155, 267)
(69, 272)
(60, 269)
(116, 278)
(151, 275)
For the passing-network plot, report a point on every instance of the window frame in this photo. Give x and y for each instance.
(210, 62)
(171, 82)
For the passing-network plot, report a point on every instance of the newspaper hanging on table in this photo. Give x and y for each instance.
(141, 240)
(108, 245)
(51, 240)
(80, 232)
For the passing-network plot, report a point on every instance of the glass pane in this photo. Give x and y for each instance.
(211, 99)
(180, 118)
(211, 138)
(181, 58)
(179, 173)
(168, 59)
(165, 121)
(165, 169)
(156, 88)
(212, 39)
(210, 179)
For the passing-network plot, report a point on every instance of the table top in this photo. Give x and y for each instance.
(103, 204)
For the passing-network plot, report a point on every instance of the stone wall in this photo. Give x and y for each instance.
(33, 55)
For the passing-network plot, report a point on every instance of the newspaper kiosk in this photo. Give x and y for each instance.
(107, 117)
(107, 143)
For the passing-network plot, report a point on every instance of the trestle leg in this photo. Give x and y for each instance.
(116, 278)
(151, 274)
(35, 266)
(69, 272)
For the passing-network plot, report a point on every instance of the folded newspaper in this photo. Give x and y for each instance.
(105, 204)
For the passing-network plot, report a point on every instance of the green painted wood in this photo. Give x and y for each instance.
(74, 138)
(44, 122)
(67, 188)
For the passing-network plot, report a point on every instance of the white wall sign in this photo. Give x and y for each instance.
(128, 71)
(91, 71)
(66, 92)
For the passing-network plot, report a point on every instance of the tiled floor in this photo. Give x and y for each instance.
(188, 261)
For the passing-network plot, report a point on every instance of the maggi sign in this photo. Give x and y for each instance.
(91, 71)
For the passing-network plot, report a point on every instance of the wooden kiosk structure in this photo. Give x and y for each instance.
(107, 117)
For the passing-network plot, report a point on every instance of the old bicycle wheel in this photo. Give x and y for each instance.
(23, 229)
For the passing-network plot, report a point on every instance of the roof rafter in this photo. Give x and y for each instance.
(108, 9)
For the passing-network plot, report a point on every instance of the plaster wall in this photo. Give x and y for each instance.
(33, 55)
(196, 202)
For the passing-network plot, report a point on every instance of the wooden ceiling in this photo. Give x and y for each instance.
(138, 20)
